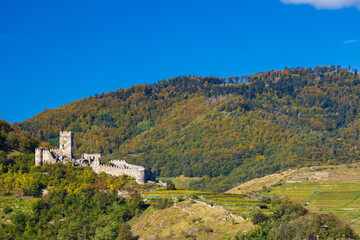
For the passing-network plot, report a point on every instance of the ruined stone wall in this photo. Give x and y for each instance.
(44, 155)
(48, 157)
(66, 148)
(135, 172)
(119, 163)
(91, 157)
(123, 163)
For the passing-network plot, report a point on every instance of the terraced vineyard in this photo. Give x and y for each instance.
(342, 199)
(333, 189)
(238, 204)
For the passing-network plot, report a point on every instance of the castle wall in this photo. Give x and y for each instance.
(124, 164)
(51, 156)
(44, 155)
(91, 157)
(135, 172)
(48, 157)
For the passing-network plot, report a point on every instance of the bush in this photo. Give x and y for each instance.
(180, 198)
(170, 185)
(258, 217)
(285, 210)
(193, 195)
(33, 189)
(7, 209)
(19, 220)
(125, 232)
(162, 203)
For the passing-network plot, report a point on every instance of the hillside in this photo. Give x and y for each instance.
(321, 189)
(187, 220)
(225, 131)
(67, 202)
(232, 216)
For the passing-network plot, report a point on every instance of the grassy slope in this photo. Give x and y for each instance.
(186, 219)
(183, 182)
(325, 189)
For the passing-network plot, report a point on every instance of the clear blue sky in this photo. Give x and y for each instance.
(55, 52)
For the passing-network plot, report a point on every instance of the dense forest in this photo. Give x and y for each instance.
(225, 130)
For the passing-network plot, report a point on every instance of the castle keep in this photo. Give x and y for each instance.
(66, 151)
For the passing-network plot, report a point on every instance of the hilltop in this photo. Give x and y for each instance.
(225, 131)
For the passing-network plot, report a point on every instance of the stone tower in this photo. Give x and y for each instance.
(66, 146)
(38, 157)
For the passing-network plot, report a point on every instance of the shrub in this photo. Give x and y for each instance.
(180, 198)
(19, 220)
(170, 185)
(7, 209)
(125, 232)
(33, 189)
(192, 195)
(284, 209)
(258, 217)
(162, 203)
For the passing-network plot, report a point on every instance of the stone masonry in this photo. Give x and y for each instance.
(66, 150)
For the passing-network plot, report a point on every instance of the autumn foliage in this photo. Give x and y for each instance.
(224, 130)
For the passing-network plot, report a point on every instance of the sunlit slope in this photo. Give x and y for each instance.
(187, 220)
(322, 189)
(225, 131)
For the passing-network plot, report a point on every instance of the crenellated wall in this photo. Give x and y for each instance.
(124, 164)
(132, 170)
(51, 156)
(91, 156)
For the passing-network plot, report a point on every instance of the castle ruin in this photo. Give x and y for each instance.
(66, 151)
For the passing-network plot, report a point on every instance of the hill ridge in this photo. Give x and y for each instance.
(224, 130)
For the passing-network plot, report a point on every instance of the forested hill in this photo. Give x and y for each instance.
(224, 130)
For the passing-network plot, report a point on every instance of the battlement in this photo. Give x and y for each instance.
(121, 167)
(125, 165)
(64, 133)
(136, 172)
